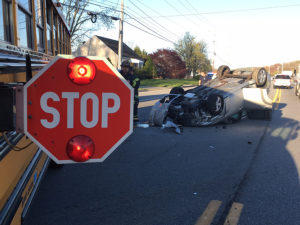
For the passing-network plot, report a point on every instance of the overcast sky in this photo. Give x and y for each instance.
(241, 33)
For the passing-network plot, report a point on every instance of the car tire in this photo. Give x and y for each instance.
(260, 77)
(215, 104)
(177, 90)
(222, 71)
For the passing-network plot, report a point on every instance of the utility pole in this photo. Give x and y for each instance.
(120, 48)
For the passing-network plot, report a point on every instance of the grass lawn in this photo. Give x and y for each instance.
(168, 82)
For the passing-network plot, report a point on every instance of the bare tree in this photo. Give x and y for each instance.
(85, 17)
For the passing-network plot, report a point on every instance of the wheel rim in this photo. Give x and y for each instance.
(218, 104)
(262, 75)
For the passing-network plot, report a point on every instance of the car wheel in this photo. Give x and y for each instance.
(215, 104)
(177, 90)
(260, 77)
(222, 71)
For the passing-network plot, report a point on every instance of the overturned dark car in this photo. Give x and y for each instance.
(224, 99)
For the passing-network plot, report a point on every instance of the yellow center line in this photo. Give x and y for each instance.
(277, 91)
(279, 97)
(208, 215)
(234, 214)
(278, 100)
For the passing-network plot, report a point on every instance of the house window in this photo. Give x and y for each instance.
(25, 24)
(39, 24)
(5, 21)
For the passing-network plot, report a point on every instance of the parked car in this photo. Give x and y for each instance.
(222, 99)
(282, 80)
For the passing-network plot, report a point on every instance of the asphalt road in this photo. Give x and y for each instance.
(244, 173)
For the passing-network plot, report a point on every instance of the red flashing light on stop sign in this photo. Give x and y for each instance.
(80, 148)
(81, 70)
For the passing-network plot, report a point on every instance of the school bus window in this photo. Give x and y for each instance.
(39, 24)
(25, 24)
(26, 4)
(49, 28)
(24, 29)
(63, 39)
(1, 22)
(66, 40)
(5, 21)
(59, 35)
(55, 32)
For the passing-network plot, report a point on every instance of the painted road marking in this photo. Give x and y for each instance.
(278, 99)
(234, 214)
(208, 215)
(274, 99)
(211, 210)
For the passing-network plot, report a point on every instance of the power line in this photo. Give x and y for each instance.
(162, 37)
(164, 28)
(148, 32)
(88, 11)
(228, 11)
(207, 29)
(99, 13)
(155, 11)
(105, 6)
(134, 12)
(132, 17)
(180, 12)
(200, 16)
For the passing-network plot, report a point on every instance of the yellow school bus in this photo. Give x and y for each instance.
(32, 32)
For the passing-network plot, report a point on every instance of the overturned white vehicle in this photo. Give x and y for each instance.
(223, 99)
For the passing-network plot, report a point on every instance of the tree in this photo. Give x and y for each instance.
(83, 20)
(169, 63)
(193, 53)
(143, 54)
(149, 70)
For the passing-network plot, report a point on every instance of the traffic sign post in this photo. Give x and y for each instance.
(78, 109)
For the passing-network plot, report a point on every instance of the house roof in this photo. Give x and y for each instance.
(113, 45)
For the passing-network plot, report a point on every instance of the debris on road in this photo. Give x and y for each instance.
(173, 125)
(142, 125)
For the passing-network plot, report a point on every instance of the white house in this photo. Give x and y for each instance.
(108, 48)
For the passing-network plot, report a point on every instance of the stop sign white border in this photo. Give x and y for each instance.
(31, 81)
